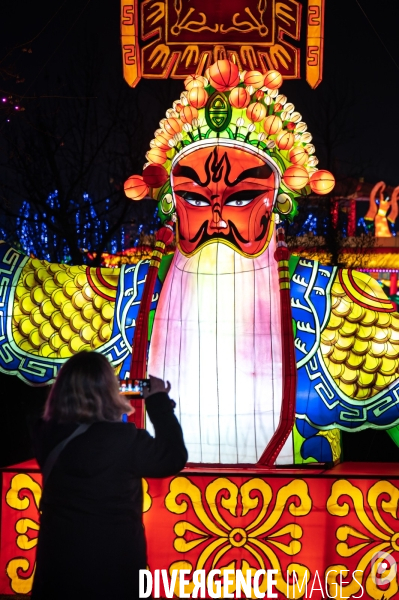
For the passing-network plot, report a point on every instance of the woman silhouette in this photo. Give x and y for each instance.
(91, 541)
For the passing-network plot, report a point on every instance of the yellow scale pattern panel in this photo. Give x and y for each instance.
(57, 313)
(360, 346)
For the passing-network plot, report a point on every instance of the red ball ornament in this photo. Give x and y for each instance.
(277, 107)
(172, 126)
(155, 176)
(272, 124)
(254, 78)
(198, 97)
(189, 113)
(239, 97)
(273, 80)
(298, 155)
(135, 187)
(259, 94)
(322, 182)
(157, 156)
(285, 140)
(296, 177)
(290, 126)
(256, 112)
(224, 75)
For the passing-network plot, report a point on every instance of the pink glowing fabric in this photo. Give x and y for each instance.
(217, 339)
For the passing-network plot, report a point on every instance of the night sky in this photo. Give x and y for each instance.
(360, 77)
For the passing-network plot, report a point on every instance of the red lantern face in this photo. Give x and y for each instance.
(223, 194)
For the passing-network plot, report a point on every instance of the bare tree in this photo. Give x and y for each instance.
(68, 159)
(9, 77)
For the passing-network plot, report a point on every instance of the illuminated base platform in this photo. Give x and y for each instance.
(312, 521)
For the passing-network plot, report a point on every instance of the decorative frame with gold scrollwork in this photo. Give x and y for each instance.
(150, 48)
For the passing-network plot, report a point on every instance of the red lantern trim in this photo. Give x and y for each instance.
(138, 365)
(287, 415)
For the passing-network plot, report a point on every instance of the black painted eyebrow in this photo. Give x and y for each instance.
(189, 172)
(262, 172)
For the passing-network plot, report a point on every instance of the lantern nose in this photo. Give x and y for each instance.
(217, 221)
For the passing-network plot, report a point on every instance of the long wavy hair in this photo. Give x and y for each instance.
(86, 390)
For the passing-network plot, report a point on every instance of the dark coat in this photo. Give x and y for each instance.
(91, 540)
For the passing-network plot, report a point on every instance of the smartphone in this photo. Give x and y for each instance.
(139, 385)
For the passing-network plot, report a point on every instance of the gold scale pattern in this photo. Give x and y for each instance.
(360, 346)
(58, 313)
(334, 438)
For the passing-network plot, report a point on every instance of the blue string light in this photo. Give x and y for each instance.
(36, 237)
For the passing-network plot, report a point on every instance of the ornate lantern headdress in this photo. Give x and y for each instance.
(243, 109)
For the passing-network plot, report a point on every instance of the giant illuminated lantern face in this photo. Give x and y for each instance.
(230, 151)
(224, 193)
(231, 155)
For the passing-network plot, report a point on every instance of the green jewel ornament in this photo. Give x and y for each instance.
(218, 112)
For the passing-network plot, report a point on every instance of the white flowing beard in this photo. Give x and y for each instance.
(217, 339)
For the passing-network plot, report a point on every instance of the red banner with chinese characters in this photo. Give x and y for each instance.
(172, 38)
(337, 530)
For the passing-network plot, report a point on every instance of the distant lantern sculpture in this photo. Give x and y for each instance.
(382, 211)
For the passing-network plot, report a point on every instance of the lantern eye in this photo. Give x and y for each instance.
(238, 202)
(193, 198)
(242, 198)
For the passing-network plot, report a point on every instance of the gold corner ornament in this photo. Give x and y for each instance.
(130, 48)
(315, 43)
(23, 494)
(370, 541)
(172, 38)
